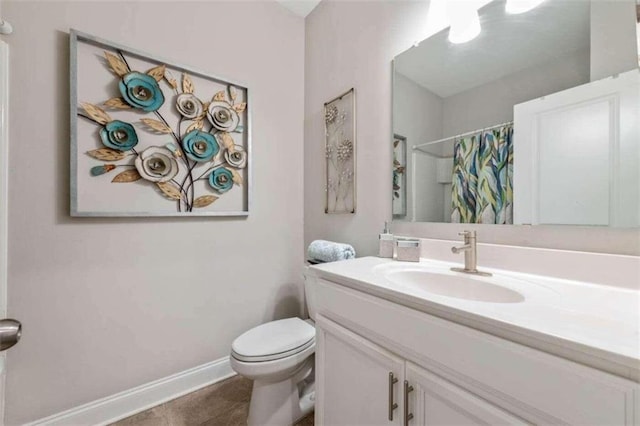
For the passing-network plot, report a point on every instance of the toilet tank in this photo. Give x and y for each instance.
(310, 292)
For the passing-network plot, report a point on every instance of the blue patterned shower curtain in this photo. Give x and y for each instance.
(482, 185)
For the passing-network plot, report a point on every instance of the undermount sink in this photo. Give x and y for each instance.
(451, 284)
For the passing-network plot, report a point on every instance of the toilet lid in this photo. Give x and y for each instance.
(267, 341)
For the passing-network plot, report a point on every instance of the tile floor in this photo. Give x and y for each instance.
(222, 404)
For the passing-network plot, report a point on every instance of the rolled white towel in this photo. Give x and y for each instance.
(328, 251)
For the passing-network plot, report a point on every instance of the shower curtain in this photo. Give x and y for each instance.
(482, 182)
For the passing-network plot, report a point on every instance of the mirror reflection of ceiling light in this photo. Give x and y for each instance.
(521, 6)
(465, 24)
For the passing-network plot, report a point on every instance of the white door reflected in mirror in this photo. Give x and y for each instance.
(577, 157)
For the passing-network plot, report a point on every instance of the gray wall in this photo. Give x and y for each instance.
(345, 50)
(418, 117)
(492, 103)
(342, 51)
(612, 26)
(109, 304)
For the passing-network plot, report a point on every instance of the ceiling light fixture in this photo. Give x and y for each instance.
(521, 6)
(465, 24)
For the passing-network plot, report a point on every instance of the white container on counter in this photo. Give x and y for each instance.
(408, 250)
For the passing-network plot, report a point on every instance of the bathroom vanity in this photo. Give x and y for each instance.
(417, 344)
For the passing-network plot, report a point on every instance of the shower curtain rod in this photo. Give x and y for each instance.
(461, 135)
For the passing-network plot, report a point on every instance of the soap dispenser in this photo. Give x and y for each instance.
(386, 242)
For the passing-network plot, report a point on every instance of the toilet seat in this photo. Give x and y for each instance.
(273, 357)
(274, 340)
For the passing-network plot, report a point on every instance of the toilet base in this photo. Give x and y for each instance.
(283, 403)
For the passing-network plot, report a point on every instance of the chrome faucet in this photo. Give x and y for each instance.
(470, 254)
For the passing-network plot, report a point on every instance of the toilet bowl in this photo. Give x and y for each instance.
(279, 357)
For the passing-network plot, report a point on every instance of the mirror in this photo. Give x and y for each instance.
(535, 121)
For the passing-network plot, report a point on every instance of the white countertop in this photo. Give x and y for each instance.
(592, 324)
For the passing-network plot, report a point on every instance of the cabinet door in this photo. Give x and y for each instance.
(353, 377)
(435, 401)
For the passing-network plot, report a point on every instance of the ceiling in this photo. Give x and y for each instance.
(299, 7)
(507, 44)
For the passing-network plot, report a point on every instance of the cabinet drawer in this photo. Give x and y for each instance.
(537, 386)
(436, 401)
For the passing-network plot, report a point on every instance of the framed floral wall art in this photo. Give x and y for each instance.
(340, 153)
(152, 138)
(399, 190)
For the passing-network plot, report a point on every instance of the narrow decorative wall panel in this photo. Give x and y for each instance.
(340, 152)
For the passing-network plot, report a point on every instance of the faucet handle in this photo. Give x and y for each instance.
(467, 234)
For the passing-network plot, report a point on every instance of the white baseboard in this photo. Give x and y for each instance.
(124, 404)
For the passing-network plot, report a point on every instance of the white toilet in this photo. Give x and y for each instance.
(279, 357)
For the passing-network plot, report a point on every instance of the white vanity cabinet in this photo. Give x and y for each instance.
(455, 375)
(360, 381)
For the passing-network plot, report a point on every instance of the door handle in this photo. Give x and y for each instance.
(407, 415)
(10, 333)
(392, 405)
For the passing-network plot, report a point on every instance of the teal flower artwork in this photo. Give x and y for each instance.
(221, 180)
(141, 91)
(119, 135)
(179, 149)
(200, 146)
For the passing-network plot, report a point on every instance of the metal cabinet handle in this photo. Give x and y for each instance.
(407, 415)
(392, 405)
